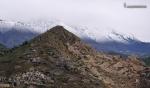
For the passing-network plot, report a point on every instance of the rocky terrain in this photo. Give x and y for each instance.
(59, 59)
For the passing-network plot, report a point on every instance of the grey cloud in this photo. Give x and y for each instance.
(95, 13)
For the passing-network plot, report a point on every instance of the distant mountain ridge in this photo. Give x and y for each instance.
(113, 41)
(15, 33)
(14, 38)
(123, 45)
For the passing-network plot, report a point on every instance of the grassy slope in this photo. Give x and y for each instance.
(147, 61)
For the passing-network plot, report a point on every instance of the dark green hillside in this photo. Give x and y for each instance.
(147, 61)
(3, 50)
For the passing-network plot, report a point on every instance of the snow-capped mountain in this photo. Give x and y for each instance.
(111, 41)
(14, 33)
(118, 43)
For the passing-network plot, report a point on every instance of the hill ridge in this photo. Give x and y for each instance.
(58, 58)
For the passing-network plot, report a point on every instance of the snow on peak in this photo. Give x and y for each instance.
(40, 26)
(99, 35)
(120, 37)
(14, 25)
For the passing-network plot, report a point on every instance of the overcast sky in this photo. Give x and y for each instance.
(100, 14)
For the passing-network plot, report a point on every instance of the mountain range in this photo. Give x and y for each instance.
(58, 58)
(15, 33)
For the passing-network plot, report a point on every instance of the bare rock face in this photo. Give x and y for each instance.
(59, 59)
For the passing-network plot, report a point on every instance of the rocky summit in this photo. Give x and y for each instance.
(59, 59)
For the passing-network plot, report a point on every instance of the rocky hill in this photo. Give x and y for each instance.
(59, 59)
